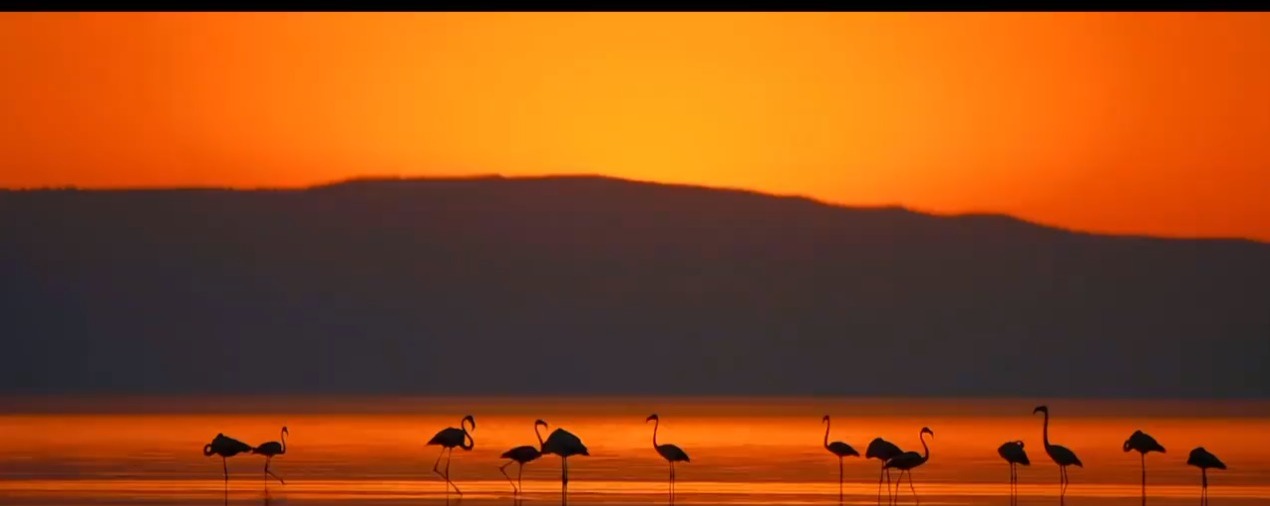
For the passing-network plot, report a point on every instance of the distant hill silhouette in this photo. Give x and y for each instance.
(580, 285)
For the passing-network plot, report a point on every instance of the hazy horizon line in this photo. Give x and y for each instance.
(493, 176)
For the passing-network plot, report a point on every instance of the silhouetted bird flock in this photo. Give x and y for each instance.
(565, 444)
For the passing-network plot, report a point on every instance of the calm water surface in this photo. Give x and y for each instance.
(85, 451)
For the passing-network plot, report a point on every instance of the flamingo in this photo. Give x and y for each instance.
(225, 447)
(521, 455)
(1059, 454)
(563, 443)
(841, 450)
(882, 450)
(669, 452)
(906, 461)
(447, 439)
(1143, 443)
(271, 450)
(1203, 460)
(1012, 452)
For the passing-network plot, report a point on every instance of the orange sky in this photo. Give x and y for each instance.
(1150, 123)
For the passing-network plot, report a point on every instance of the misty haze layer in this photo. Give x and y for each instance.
(586, 285)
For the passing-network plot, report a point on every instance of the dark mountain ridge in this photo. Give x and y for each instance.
(589, 285)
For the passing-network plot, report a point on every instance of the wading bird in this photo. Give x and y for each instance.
(882, 450)
(669, 452)
(1143, 443)
(563, 443)
(1204, 461)
(271, 450)
(447, 439)
(1012, 452)
(841, 450)
(906, 461)
(225, 447)
(521, 455)
(1059, 454)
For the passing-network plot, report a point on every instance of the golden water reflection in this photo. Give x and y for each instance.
(743, 452)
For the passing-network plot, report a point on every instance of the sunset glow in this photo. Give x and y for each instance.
(1143, 123)
(765, 450)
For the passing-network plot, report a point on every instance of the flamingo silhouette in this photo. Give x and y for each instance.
(669, 452)
(1012, 452)
(1059, 454)
(906, 461)
(521, 455)
(882, 450)
(448, 438)
(1143, 443)
(563, 443)
(225, 447)
(1204, 461)
(841, 450)
(271, 450)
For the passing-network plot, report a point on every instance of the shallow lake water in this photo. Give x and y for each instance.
(107, 450)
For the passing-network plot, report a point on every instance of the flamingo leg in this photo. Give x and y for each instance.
(888, 488)
(1204, 491)
(916, 500)
(895, 498)
(1016, 484)
(450, 455)
(673, 479)
(1062, 491)
(503, 469)
(438, 471)
(839, 480)
(564, 480)
(890, 496)
(670, 481)
(520, 471)
(1011, 483)
(225, 467)
(1144, 478)
(269, 473)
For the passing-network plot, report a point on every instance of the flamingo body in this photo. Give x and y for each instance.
(906, 461)
(842, 449)
(522, 454)
(1204, 460)
(224, 447)
(271, 450)
(882, 450)
(448, 439)
(1059, 454)
(1012, 452)
(1063, 456)
(672, 453)
(1142, 443)
(563, 443)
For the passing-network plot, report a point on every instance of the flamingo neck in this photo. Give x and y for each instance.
(468, 440)
(656, 424)
(828, 423)
(925, 449)
(1045, 430)
(539, 434)
(284, 441)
